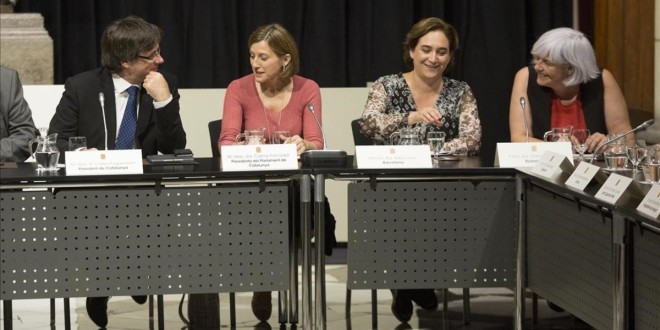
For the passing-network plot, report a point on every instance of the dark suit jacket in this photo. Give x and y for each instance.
(16, 124)
(79, 113)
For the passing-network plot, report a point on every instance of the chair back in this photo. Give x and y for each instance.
(359, 139)
(214, 134)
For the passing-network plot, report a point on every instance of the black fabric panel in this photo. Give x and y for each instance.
(342, 43)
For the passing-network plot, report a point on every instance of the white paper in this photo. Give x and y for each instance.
(259, 157)
(103, 162)
(416, 156)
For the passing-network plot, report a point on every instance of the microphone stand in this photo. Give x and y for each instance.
(323, 157)
(522, 107)
(640, 127)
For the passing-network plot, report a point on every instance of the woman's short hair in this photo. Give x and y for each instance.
(281, 42)
(124, 39)
(569, 47)
(425, 26)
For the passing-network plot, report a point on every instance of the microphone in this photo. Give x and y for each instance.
(324, 157)
(310, 107)
(640, 127)
(105, 125)
(522, 107)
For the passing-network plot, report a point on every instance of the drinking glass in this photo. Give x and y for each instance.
(279, 137)
(579, 140)
(77, 143)
(435, 140)
(635, 155)
(651, 164)
(615, 153)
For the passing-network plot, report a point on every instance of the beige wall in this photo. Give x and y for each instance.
(199, 106)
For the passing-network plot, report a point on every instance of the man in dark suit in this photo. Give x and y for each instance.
(126, 104)
(130, 55)
(16, 124)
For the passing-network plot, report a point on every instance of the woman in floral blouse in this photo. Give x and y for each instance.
(423, 98)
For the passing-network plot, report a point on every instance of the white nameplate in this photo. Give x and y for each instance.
(613, 188)
(552, 164)
(103, 162)
(650, 205)
(417, 156)
(583, 174)
(527, 154)
(259, 157)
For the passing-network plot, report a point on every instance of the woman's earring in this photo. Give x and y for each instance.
(284, 67)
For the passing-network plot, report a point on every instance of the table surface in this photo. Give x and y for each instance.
(204, 168)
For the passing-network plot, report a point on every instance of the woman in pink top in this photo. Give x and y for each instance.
(273, 97)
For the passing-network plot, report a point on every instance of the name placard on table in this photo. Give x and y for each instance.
(650, 205)
(613, 188)
(103, 162)
(528, 154)
(259, 157)
(552, 164)
(583, 174)
(415, 156)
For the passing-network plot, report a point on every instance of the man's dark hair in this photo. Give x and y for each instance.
(124, 39)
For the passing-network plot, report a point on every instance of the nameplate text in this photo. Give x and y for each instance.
(613, 188)
(415, 156)
(527, 154)
(650, 205)
(103, 162)
(259, 157)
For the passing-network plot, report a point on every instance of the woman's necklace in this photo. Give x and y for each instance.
(280, 105)
(279, 121)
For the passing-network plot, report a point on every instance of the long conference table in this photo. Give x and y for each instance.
(196, 229)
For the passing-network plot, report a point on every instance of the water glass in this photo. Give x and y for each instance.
(635, 155)
(77, 143)
(579, 140)
(651, 164)
(435, 140)
(615, 153)
(279, 137)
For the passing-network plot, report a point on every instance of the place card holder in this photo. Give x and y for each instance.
(552, 165)
(528, 154)
(584, 174)
(617, 188)
(650, 205)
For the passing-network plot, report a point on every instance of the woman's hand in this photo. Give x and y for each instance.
(425, 115)
(594, 140)
(301, 144)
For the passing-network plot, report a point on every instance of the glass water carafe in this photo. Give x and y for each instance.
(45, 153)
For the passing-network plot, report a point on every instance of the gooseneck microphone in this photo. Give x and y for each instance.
(640, 127)
(323, 157)
(105, 125)
(310, 107)
(522, 107)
